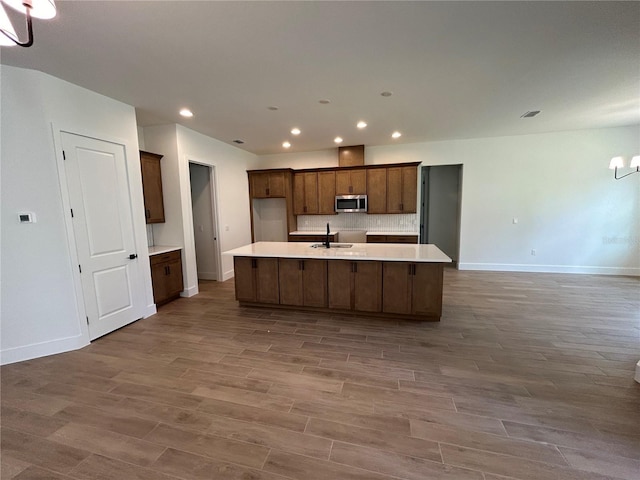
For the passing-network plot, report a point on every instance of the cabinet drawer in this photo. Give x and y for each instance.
(165, 257)
(402, 239)
(376, 238)
(311, 238)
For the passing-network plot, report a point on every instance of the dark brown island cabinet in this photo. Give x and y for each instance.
(394, 289)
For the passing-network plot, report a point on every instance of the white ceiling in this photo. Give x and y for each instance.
(456, 69)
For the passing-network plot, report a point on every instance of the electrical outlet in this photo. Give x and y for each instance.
(226, 228)
(533, 252)
(515, 220)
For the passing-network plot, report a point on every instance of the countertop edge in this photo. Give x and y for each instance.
(160, 249)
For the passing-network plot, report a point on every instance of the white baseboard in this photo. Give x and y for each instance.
(513, 267)
(227, 275)
(207, 276)
(37, 350)
(189, 292)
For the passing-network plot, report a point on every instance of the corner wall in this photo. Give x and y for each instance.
(180, 145)
(39, 312)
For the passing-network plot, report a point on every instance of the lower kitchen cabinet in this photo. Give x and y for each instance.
(392, 238)
(256, 279)
(355, 285)
(166, 276)
(412, 288)
(302, 282)
(311, 238)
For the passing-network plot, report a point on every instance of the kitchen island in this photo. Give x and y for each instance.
(389, 280)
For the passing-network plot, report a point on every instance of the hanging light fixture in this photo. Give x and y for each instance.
(44, 9)
(618, 162)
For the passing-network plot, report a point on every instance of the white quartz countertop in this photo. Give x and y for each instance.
(159, 249)
(413, 234)
(359, 251)
(298, 232)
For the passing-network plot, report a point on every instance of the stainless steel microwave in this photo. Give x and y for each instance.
(351, 203)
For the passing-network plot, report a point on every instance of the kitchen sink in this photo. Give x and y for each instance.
(332, 245)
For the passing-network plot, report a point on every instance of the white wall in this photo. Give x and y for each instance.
(180, 145)
(558, 185)
(40, 314)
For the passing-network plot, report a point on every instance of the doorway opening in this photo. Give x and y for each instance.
(441, 199)
(205, 225)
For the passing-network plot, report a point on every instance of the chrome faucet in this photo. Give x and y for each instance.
(326, 243)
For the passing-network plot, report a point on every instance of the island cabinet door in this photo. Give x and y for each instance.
(427, 289)
(340, 279)
(290, 280)
(367, 286)
(267, 290)
(314, 283)
(397, 279)
(256, 279)
(244, 276)
(355, 285)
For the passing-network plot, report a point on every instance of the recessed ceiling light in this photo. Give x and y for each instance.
(361, 124)
(185, 112)
(324, 102)
(295, 131)
(239, 142)
(338, 139)
(386, 94)
(286, 144)
(272, 108)
(396, 134)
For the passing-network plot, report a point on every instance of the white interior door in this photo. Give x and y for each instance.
(204, 224)
(97, 181)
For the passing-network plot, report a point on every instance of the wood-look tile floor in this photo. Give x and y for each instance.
(527, 376)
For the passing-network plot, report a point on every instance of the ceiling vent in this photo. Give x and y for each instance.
(530, 114)
(239, 142)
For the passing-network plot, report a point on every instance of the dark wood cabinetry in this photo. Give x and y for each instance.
(166, 276)
(326, 193)
(412, 288)
(384, 289)
(267, 184)
(302, 282)
(351, 181)
(351, 156)
(311, 238)
(392, 238)
(377, 190)
(402, 189)
(256, 279)
(355, 285)
(305, 193)
(152, 187)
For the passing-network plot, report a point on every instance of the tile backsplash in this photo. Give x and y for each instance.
(404, 222)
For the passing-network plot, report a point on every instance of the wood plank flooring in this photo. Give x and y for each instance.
(527, 376)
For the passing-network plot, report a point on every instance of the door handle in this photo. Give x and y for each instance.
(133, 256)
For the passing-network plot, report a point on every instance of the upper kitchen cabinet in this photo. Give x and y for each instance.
(351, 181)
(402, 189)
(326, 192)
(267, 184)
(152, 187)
(305, 193)
(314, 192)
(377, 190)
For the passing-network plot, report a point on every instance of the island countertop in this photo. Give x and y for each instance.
(359, 251)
